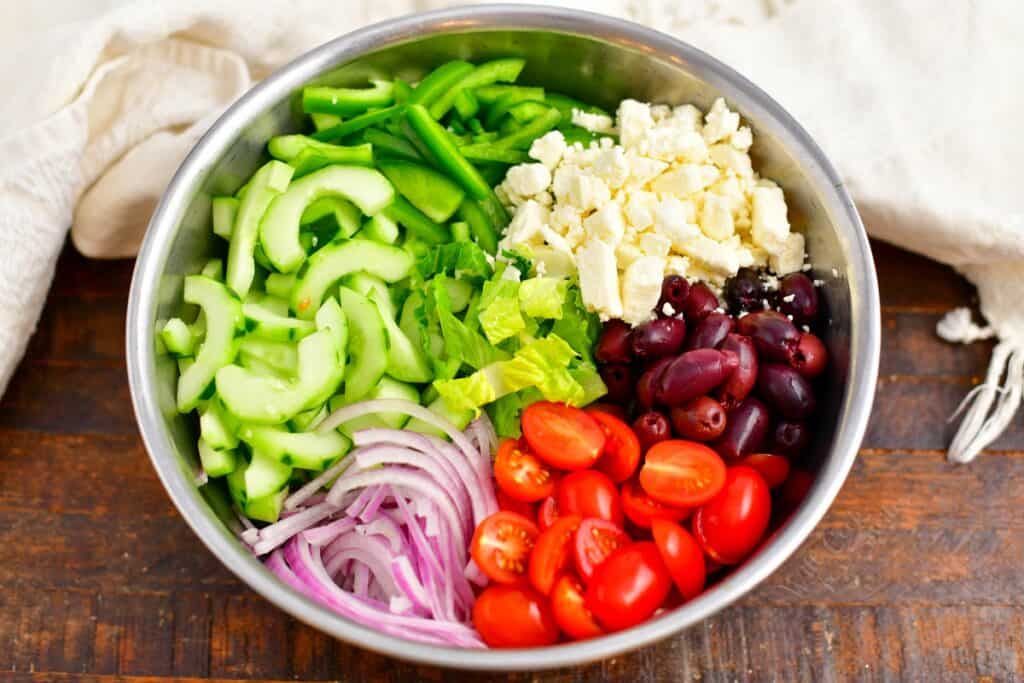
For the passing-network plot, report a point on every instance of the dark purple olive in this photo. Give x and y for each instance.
(699, 302)
(674, 290)
(614, 345)
(710, 332)
(774, 335)
(798, 298)
(646, 386)
(746, 427)
(702, 419)
(693, 374)
(810, 356)
(786, 390)
(658, 338)
(618, 377)
(745, 291)
(790, 438)
(651, 427)
(741, 382)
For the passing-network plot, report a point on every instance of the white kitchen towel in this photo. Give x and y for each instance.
(916, 101)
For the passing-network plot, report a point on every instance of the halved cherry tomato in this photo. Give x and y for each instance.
(629, 586)
(509, 504)
(589, 493)
(732, 523)
(501, 546)
(773, 468)
(547, 513)
(682, 555)
(641, 508)
(552, 552)
(621, 447)
(520, 474)
(571, 615)
(610, 408)
(596, 539)
(682, 473)
(514, 616)
(562, 436)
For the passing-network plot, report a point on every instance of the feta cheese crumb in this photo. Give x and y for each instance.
(957, 327)
(595, 123)
(528, 179)
(641, 288)
(599, 278)
(548, 149)
(720, 123)
(606, 224)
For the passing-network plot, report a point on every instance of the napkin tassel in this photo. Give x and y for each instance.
(990, 406)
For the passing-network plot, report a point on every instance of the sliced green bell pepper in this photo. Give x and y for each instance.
(466, 105)
(486, 152)
(503, 70)
(416, 222)
(489, 94)
(438, 82)
(429, 191)
(496, 112)
(524, 137)
(385, 143)
(356, 124)
(480, 225)
(347, 101)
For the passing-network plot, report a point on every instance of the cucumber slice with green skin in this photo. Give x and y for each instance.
(178, 338)
(386, 388)
(337, 260)
(290, 147)
(411, 328)
(214, 269)
(272, 303)
(434, 194)
(308, 420)
(367, 188)
(334, 215)
(304, 450)
(321, 367)
(236, 485)
(268, 182)
(267, 508)
(381, 229)
(216, 462)
(283, 357)
(262, 368)
(280, 285)
(460, 419)
(406, 361)
(224, 210)
(367, 344)
(370, 286)
(216, 429)
(261, 321)
(265, 475)
(223, 312)
(459, 292)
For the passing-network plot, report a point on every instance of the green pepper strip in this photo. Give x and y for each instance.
(522, 138)
(357, 124)
(566, 104)
(503, 70)
(447, 154)
(402, 91)
(489, 94)
(460, 231)
(416, 222)
(466, 105)
(456, 127)
(480, 225)
(498, 110)
(485, 152)
(439, 81)
(347, 101)
(288, 147)
(476, 127)
(529, 110)
(391, 145)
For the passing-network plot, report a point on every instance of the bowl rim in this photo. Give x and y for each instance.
(854, 408)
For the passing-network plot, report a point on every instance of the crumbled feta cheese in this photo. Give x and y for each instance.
(612, 166)
(720, 122)
(687, 117)
(806, 268)
(642, 170)
(528, 179)
(526, 224)
(728, 157)
(595, 123)
(641, 288)
(769, 225)
(556, 263)
(677, 265)
(671, 144)
(634, 121)
(626, 253)
(742, 139)
(599, 279)
(789, 258)
(655, 244)
(587, 192)
(511, 273)
(685, 180)
(640, 209)
(548, 149)
(606, 224)
(716, 218)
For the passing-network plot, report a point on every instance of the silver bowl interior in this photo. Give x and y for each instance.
(588, 56)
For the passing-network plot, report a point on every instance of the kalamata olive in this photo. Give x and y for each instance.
(693, 374)
(798, 298)
(618, 377)
(699, 302)
(790, 438)
(658, 338)
(710, 332)
(651, 427)
(702, 419)
(614, 344)
(745, 291)
(786, 390)
(741, 382)
(774, 335)
(810, 356)
(746, 426)
(674, 290)
(646, 387)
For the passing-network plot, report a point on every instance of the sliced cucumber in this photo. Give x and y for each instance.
(460, 292)
(178, 338)
(344, 216)
(279, 229)
(283, 357)
(265, 475)
(217, 462)
(406, 361)
(337, 260)
(321, 367)
(386, 388)
(274, 304)
(224, 210)
(370, 285)
(280, 285)
(433, 193)
(411, 328)
(381, 229)
(268, 182)
(305, 450)
(308, 420)
(267, 508)
(214, 269)
(367, 344)
(269, 324)
(216, 427)
(223, 312)
(236, 485)
(459, 419)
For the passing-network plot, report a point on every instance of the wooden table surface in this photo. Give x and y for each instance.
(914, 574)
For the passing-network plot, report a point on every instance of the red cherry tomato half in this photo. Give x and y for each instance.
(514, 616)
(508, 504)
(589, 493)
(596, 539)
(682, 555)
(613, 409)
(641, 508)
(552, 552)
(520, 474)
(629, 586)
(547, 513)
(682, 473)
(571, 615)
(502, 544)
(621, 447)
(562, 436)
(732, 523)
(773, 468)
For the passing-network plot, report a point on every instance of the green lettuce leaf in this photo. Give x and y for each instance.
(542, 297)
(506, 410)
(502, 319)
(461, 260)
(462, 346)
(577, 326)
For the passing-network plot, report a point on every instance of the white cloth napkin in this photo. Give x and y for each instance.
(916, 101)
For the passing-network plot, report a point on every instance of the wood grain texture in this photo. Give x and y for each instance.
(914, 574)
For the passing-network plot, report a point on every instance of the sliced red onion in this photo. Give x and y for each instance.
(381, 493)
(361, 581)
(277, 533)
(408, 583)
(276, 563)
(370, 552)
(474, 574)
(314, 485)
(385, 528)
(428, 460)
(360, 502)
(400, 604)
(322, 535)
(250, 536)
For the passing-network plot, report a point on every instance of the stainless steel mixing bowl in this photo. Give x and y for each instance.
(596, 59)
